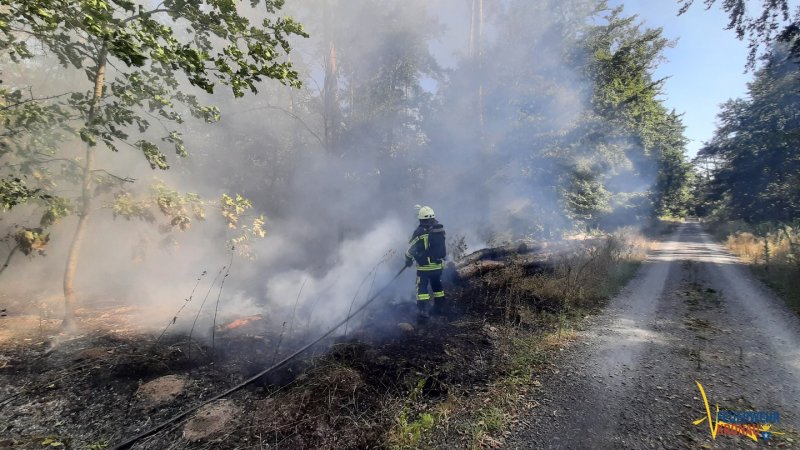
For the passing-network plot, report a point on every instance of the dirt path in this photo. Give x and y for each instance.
(692, 313)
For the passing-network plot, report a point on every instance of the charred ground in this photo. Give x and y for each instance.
(441, 383)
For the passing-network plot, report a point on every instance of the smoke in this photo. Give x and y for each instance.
(360, 266)
(427, 103)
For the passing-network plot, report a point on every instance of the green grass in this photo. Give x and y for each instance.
(784, 280)
(525, 354)
(618, 277)
(411, 428)
(491, 420)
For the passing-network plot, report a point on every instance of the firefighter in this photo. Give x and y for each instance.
(427, 248)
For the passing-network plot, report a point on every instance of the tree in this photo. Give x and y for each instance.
(586, 198)
(775, 23)
(756, 148)
(633, 144)
(373, 103)
(673, 194)
(137, 59)
(507, 109)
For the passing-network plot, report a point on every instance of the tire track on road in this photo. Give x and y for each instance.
(693, 312)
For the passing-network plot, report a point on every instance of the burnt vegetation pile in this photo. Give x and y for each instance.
(88, 390)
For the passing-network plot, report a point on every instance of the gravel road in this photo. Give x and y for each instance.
(692, 313)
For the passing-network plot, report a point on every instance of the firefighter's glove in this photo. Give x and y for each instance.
(409, 262)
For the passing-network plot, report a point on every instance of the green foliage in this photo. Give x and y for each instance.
(233, 207)
(632, 121)
(52, 442)
(182, 210)
(407, 431)
(179, 209)
(571, 112)
(56, 208)
(673, 189)
(258, 226)
(492, 420)
(13, 192)
(623, 57)
(525, 356)
(136, 36)
(752, 165)
(124, 205)
(384, 116)
(773, 23)
(31, 126)
(98, 446)
(140, 61)
(586, 197)
(508, 110)
(29, 131)
(626, 138)
(204, 43)
(31, 240)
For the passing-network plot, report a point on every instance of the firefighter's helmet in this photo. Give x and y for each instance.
(426, 212)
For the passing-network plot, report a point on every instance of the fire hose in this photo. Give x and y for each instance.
(130, 441)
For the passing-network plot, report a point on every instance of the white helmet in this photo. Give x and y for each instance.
(426, 212)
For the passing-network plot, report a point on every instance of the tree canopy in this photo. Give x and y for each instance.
(755, 152)
(545, 119)
(138, 62)
(775, 22)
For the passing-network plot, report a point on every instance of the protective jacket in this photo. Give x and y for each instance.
(427, 247)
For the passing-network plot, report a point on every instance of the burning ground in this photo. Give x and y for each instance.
(387, 382)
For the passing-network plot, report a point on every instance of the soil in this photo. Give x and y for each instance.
(211, 419)
(693, 313)
(96, 389)
(161, 390)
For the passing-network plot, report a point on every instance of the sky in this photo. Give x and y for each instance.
(706, 67)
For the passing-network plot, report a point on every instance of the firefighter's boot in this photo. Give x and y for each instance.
(422, 310)
(439, 306)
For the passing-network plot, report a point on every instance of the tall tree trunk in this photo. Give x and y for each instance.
(479, 46)
(476, 53)
(86, 199)
(331, 85)
(331, 98)
(471, 51)
(331, 114)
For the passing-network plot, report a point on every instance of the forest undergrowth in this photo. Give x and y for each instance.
(391, 382)
(772, 251)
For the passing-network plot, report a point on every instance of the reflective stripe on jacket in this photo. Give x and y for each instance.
(418, 248)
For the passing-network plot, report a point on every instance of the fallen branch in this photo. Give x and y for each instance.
(506, 252)
(479, 268)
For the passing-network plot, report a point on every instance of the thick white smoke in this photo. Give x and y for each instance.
(361, 263)
(464, 137)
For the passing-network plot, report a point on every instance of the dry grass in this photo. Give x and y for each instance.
(542, 313)
(582, 278)
(662, 226)
(773, 252)
(774, 248)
